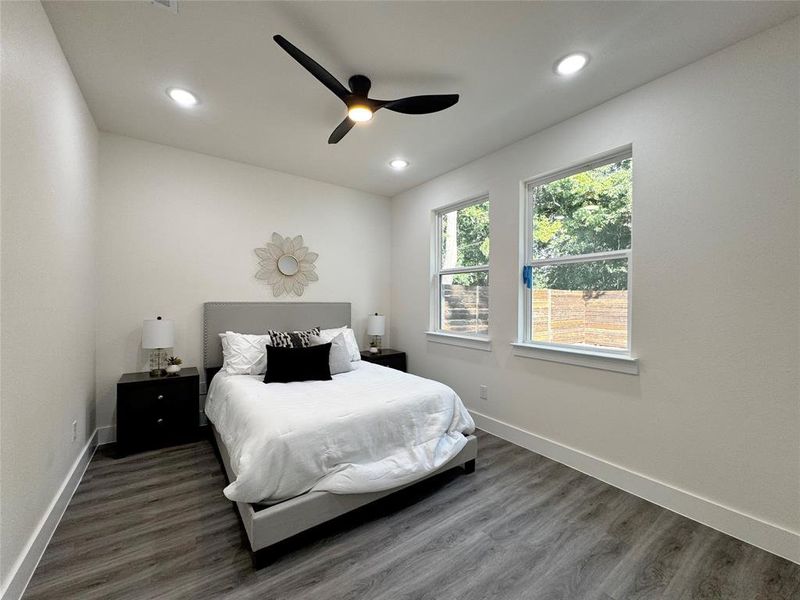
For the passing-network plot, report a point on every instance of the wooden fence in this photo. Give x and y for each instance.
(560, 316)
(571, 317)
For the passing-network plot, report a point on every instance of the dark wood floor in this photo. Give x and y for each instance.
(156, 525)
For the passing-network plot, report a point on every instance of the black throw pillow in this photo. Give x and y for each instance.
(298, 364)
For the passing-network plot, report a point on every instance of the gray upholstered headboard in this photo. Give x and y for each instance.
(258, 317)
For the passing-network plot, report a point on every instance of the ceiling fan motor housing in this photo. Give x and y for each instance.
(359, 85)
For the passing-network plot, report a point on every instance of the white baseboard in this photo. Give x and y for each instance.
(22, 570)
(767, 536)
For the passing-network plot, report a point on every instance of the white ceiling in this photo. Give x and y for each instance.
(260, 107)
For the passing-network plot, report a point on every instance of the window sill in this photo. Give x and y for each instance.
(475, 342)
(620, 363)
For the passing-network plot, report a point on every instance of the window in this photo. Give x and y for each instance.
(577, 263)
(460, 303)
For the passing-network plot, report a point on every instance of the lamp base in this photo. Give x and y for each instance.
(157, 360)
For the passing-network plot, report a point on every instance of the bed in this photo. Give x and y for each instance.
(288, 449)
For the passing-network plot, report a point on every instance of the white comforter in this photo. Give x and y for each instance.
(368, 430)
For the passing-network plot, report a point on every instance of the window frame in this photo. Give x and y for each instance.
(435, 333)
(615, 359)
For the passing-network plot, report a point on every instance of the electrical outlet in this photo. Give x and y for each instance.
(74, 430)
(484, 392)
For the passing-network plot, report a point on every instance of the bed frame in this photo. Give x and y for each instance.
(265, 525)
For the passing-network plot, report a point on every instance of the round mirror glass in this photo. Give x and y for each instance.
(288, 265)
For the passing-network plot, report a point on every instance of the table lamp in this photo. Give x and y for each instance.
(157, 335)
(376, 327)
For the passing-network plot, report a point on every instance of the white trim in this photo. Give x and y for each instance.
(26, 563)
(608, 361)
(435, 301)
(460, 270)
(525, 324)
(525, 300)
(476, 198)
(598, 160)
(475, 342)
(433, 292)
(748, 528)
(529, 326)
(581, 258)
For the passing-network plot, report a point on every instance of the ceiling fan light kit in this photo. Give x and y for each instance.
(359, 113)
(360, 107)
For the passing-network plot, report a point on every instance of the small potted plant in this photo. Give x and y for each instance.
(174, 365)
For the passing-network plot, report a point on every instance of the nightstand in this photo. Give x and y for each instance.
(388, 358)
(153, 412)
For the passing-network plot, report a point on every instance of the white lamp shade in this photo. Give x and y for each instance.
(158, 333)
(376, 325)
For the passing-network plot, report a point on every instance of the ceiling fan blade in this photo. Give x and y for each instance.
(421, 105)
(341, 130)
(313, 67)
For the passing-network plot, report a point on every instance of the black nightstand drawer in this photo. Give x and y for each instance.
(153, 413)
(157, 415)
(393, 359)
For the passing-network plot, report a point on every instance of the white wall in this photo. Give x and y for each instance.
(47, 377)
(715, 411)
(178, 229)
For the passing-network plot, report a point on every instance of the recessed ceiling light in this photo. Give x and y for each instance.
(398, 164)
(182, 97)
(572, 63)
(359, 113)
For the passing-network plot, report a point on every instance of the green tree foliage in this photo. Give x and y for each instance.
(472, 223)
(581, 214)
(473, 235)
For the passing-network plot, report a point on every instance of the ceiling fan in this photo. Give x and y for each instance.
(359, 106)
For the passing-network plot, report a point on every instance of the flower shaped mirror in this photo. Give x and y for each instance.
(286, 265)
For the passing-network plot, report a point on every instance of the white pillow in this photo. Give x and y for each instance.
(244, 353)
(225, 351)
(339, 356)
(349, 340)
